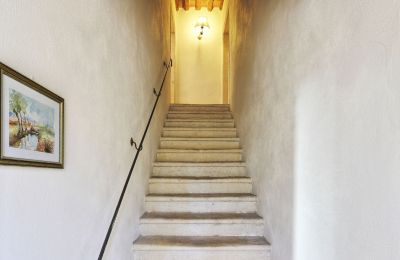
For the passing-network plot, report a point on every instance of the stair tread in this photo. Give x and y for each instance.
(181, 150)
(200, 164)
(198, 115)
(191, 178)
(231, 139)
(198, 112)
(192, 162)
(198, 197)
(202, 195)
(200, 241)
(204, 105)
(200, 216)
(217, 120)
(199, 128)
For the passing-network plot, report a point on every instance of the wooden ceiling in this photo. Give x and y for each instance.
(198, 4)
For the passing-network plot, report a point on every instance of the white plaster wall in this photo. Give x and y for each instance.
(348, 130)
(264, 115)
(316, 96)
(104, 57)
(198, 62)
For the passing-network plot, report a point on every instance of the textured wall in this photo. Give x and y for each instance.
(347, 129)
(263, 104)
(198, 63)
(104, 57)
(316, 95)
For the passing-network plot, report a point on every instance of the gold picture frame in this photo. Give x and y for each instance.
(31, 122)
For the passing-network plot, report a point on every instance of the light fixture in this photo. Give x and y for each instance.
(202, 27)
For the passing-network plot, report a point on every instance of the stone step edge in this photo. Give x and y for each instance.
(199, 116)
(173, 243)
(184, 179)
(211, 120)
(195, 115)
(199, 164)
(189, 104)
(199, 151)
(199, 111)
(200, 218)
(199, 128)
(205, 139)
(200, 197)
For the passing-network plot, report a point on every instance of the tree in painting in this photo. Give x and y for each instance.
(31, 124)
(18, 106)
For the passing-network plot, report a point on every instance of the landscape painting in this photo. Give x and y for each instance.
(31, 122)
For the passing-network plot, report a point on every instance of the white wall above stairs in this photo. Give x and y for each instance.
(317, 99)
(104, 57)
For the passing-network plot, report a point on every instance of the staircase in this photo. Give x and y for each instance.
(200, 203)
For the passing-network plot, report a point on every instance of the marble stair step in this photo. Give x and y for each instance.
(198, 123)
(189, 155)
(199, 107)
(198, 115)
(200, 248)
(199, 143)
(199, 132)
(201, 224)
(179, 184)
(201, 203)
(189, 169)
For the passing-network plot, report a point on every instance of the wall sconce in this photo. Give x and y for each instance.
(202, 27)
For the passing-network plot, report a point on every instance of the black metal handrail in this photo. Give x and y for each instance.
(138, 149)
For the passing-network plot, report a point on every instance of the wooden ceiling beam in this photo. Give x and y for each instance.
(186, 4)
(210, 5)
(221, 4)
(198, 4)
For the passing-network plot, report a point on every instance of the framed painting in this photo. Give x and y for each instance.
(32, 122)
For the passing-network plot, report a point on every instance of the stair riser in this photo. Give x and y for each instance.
(200, 108)
(199, 187)
(201, 229)
(199, 157)
(199, 116)
(196, 133)
(199, 171)
(184, 144)
(206, 124)
(201, 206)
(210, 254)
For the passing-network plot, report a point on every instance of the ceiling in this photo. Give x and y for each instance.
(198, 4)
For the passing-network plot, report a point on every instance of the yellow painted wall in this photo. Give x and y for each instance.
(198, 62)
